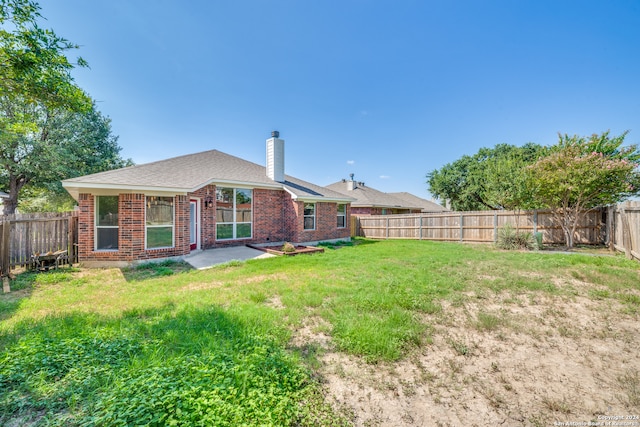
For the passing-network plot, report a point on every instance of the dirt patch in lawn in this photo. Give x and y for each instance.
(529, 360)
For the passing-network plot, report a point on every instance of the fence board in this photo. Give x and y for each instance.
(480, 226)
(625, 235)
(27, 234)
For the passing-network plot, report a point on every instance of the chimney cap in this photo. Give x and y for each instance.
(275, 134)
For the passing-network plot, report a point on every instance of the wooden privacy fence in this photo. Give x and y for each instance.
(624, 223)
(480, 226)
(24, 235)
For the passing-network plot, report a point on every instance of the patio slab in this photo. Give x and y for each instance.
(206, 259)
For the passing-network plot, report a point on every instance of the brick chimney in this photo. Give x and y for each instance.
(275, 157)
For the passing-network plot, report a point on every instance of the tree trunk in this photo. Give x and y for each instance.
(10, 204)
(15, 185)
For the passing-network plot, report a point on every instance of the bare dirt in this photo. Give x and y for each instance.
(498, 360)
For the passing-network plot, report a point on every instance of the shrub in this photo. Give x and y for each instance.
(288, 247)
(510, 239)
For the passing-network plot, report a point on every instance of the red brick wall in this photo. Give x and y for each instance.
(326, 223)
(269, 223)
(86, 229)
(276, 218)
(131, 230)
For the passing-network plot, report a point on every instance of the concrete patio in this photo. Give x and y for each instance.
(211, 257)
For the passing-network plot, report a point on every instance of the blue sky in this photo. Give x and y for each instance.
(388, 90)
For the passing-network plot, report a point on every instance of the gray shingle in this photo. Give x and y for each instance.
(189, 172)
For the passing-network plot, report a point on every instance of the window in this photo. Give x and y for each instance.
(106, 223)
(159, 222)
(342, 216)
(233, 213)
(309, 216)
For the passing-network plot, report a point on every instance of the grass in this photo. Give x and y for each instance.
(163, 344)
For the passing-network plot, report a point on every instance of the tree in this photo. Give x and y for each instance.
(493, 178)
(51, 145)
(33, 62)
(42, 110)
(580, 174)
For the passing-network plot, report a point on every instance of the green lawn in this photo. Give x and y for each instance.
(166, 345)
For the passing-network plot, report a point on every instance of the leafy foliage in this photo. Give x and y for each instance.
(583, 173)
(33, 60)
(114, 374)
(49, 127)
(509, 238)
(493, 178)
(41, 146)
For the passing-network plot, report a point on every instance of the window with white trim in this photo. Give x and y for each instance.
(342, 215)
(234, 209)
(106, 223)
(309, 216)
(159, 222)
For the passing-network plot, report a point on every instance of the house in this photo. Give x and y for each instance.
(369, 201)
(424, 204)
(200, 201)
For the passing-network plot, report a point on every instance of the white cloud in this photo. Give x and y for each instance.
(384, 177)
(350, 162)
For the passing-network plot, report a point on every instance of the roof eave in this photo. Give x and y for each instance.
(305, 198)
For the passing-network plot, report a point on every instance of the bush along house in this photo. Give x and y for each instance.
(172, 207)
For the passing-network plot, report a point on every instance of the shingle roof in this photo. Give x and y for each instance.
(426, 205)
(367, 196)
(370, 197)
(190, 172)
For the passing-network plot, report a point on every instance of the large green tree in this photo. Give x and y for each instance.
(582, 173)
(49, 127)
(67, 144)
(493, 178)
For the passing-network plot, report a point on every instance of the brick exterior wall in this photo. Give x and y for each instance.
(131, 230)
(326, 223)
(276, 218)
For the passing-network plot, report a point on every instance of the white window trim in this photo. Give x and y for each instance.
(173, 225)
(96, 226)
(342, 214)
(235, 222)
(315, 208)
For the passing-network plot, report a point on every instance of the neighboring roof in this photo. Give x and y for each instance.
(426, 205)
(3, 195)
(185, 174)
(370, 197)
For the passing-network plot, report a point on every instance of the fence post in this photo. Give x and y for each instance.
(2, 260)
(461, 228)
(420, 217)
(387, 228)
(495, 227)
(70, 234)
(626, 233)
(535, 222)
(5, 267)
(609, 228)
